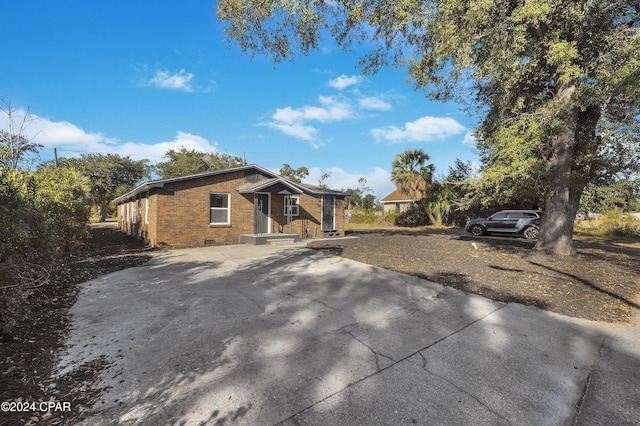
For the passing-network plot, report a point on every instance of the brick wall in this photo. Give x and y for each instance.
(183, 211)
(308, 223)
(179, 213)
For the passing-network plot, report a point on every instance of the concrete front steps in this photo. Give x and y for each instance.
(272, 239)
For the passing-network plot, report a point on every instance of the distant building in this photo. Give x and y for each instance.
(396, 202)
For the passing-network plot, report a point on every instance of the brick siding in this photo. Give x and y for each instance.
(179, 213)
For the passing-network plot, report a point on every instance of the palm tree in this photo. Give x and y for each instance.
(412, 176)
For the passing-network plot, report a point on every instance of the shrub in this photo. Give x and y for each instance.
(42, 213)
(614, 228)
(362, 217)
(414, 216)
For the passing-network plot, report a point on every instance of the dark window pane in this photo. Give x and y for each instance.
(219, 200)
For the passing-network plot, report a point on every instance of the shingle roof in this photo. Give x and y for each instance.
(395, 197)
(314, 189)
(265, 184)
(272, 179)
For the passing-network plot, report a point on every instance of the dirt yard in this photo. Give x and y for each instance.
(599, 284)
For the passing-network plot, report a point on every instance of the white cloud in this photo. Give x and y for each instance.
(344, 81)
(164, 80)
(331, 110)
(181, 81)
(154, 151)
(469, 139)
(371, 102)
(71, 140)
(295, 121)
(424, 129)
(54, 133)
(379, 179)
(300, 131)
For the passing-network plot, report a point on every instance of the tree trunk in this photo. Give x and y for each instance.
(563, 195)
(102, 213)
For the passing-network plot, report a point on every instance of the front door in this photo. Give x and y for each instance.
(261, 216)
(328, 212)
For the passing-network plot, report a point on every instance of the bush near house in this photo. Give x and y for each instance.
(43, 213)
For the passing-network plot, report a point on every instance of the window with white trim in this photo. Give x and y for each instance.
(133, 210)
(219, 208)
(146, 209)
(291, 206)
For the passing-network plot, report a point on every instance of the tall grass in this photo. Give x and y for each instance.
(611, 226)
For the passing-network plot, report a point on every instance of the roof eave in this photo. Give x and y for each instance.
(285, 182)
(159, 183)
(137, 190)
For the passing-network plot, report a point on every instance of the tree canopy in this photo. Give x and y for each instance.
(185, 162)
(109, 175)
(360, 196)
(553, 81)
(14, 144)
(294, 175)
(410, 173)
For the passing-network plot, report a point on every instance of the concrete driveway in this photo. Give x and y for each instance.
(287, 335)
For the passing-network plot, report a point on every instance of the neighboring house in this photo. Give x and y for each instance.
(218, 207)
(396, 202)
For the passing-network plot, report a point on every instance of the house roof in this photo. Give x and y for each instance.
(319, 190)
(269, 184)
(395, 197)
(278, 185)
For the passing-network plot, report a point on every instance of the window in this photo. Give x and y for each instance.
(291, 206)
(146, 209)
(219, 209)
(133, 211)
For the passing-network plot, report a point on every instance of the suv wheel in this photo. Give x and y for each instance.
(477, 230)
(530, 233)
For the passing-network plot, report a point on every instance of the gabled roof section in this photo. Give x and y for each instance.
(277, 185)
(160, 183)
(318, 190)
(395, 197)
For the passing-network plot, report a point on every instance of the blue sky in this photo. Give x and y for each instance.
(139, 78)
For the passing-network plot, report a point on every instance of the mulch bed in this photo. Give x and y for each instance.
(27, 358)
(601, 283)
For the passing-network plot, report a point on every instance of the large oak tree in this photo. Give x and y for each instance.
(108, 175)
(554, 81)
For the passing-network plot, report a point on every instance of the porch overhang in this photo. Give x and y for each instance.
(273, 186)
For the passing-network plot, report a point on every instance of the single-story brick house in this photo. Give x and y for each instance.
(396, 202)
(218, 207)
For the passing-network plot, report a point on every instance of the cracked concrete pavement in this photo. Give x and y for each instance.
(287, 335)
